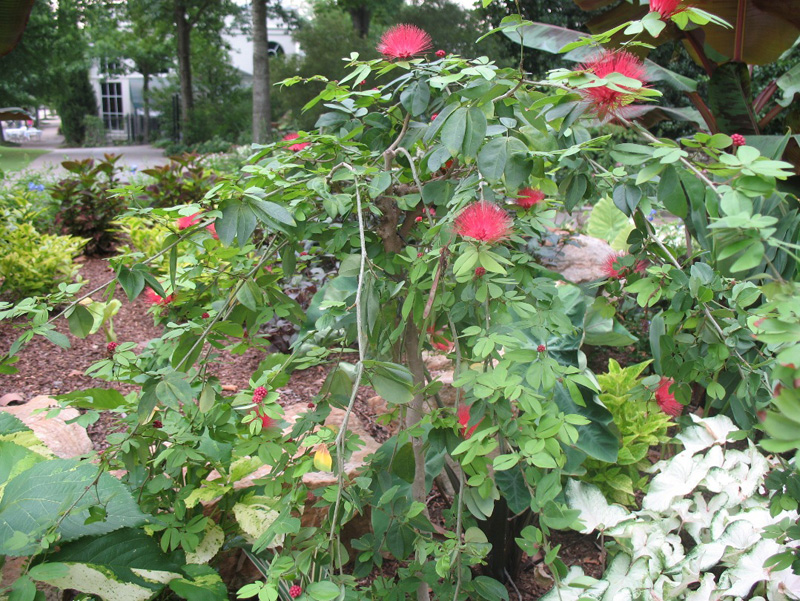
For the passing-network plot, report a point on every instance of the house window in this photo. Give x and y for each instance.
(113, 117)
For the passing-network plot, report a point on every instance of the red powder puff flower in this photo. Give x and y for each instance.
(604, 99)
(152, 297)
(184, 223)
(440, 53)
(404, 42)
(439, 341)
(666, 400)
(463, 419)
(295, 147)
(613, 267)
(527, 197)
(666, 8)
(266, 420)
(483, 221)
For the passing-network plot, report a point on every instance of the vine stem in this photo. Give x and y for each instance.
(341, 435)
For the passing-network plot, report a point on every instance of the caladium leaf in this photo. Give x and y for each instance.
(596, 513)
(681, 476)
(708, 431)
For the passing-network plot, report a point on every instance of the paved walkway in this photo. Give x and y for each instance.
(141, 156)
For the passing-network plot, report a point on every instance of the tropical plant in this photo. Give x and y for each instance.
(700, 533)
(86, 205)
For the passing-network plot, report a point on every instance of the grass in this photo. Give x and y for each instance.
(16, 159)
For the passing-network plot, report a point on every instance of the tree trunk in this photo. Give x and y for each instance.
(262, 126)
(184, 63)
(361, 17)
(146, 102)
(2, 135)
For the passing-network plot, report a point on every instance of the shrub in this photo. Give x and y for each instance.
(183, 181)
(33, 264)
(87, 207)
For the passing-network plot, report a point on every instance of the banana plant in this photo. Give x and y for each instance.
(741, 33)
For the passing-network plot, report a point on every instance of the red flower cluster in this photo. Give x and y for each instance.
(615, 270)
(527, 197)
(259, 394)
(480, 272)
(440, 53)
(183, 223)
(152, 297)
(295, 591)
(666, 8)
(666, 400)
(483, 221)
(464, 415)
(295, 147)
(404, 42)
(111, 347)
(541, 348)
(738, 140)
(603, 99)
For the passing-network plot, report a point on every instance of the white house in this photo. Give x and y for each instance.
(120, 97)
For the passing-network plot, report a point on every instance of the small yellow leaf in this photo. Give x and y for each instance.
(322, 459)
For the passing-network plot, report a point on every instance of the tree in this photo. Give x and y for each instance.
(362, 11)
(262, 110)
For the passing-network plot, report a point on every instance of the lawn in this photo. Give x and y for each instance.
(16, 159)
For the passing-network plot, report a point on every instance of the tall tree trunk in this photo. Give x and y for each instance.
(361, 17)
(2, 135)
(146, 102)
(184, 63)
(262, 126)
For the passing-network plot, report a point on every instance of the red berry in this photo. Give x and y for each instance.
(480, 272)
(419, 255)
(311, 405)
(363, 81)
(205, 315)
(432, 212)
(304, 253)
(440, 53)
(433, 117)
(738, 140)
(418, 218)
(259, 394)
(541, 348)
(112, 346)
(295, 591)
(157, 423)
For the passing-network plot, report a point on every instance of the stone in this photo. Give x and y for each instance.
(582, 259)
(12, 398)
(65, 440)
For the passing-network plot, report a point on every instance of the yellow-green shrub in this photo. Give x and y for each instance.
(34, 264)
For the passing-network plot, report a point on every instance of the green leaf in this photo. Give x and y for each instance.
(489, 588)
(173, 390)
(323, 591)
(35, 500)
(205, 584)
(99, 399)
(492, 159)
(132, 281)
(81, 321)
(415, 97)
(513, 487)
(474, 132)
(454, 131)
(606, 221)
(378, 184)
(394, 383)
(671, 193)
(271, 212)
(238, 222)
(573, 189)
(627, 198)
(595, 438)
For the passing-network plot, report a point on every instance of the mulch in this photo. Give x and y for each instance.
(45, 369)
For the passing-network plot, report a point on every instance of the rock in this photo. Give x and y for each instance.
(580, 260)
(12, 398)
(65, 440)
(437, 362)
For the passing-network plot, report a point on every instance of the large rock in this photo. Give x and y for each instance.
(65, 440)
(580, 260)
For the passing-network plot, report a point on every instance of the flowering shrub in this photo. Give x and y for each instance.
(420, 220)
